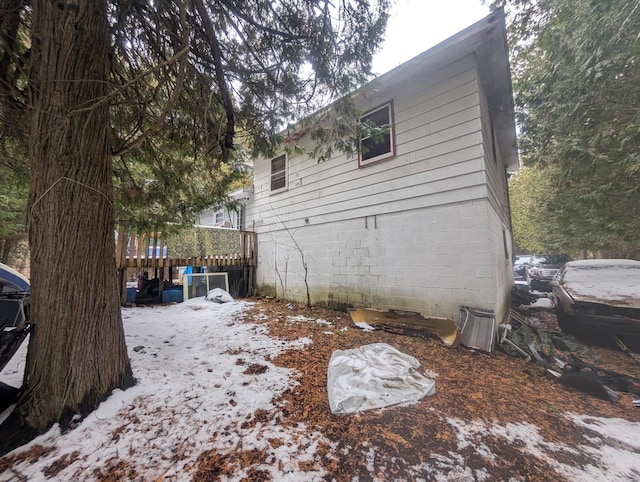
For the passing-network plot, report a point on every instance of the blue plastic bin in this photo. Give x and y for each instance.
(131, 295)
(172, 296)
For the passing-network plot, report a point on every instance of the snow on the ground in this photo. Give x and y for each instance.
(190, 360)
(196, 391)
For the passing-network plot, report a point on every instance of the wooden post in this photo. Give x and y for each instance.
(160, 283)
(245, 279)
(121, 262)
(254, 260)
(122, 281)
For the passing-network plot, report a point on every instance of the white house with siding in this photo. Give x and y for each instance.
(420, 219)
(225, 216)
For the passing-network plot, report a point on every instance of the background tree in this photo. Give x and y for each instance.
(533, 223)
(13, 207)
(13, 144)
(576, 82)
(163, 89)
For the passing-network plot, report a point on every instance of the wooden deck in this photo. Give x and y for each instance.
(151, 250)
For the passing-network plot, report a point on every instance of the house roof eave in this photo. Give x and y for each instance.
(487, 40)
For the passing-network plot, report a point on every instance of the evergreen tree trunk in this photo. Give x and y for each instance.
(6, 245)
(77, 354)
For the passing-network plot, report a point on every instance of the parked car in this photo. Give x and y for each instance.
(520, 266)
(14, 297)
(599, 299)
(542, 269)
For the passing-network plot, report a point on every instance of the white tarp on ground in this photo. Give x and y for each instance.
(374, 376)
(218, 295)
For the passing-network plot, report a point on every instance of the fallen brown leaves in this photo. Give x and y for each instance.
(33, 455)
(470, 387)
(61, 463)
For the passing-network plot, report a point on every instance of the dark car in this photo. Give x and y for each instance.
(599, 298)
(542, 269)
(14, 297)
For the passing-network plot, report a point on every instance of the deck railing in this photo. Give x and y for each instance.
(154, 250)
(197, 247)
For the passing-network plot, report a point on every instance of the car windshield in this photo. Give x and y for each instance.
(556, 259)
(522, 260)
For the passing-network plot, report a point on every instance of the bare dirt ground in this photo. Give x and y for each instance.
(471, 386)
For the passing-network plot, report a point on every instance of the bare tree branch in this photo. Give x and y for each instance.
(227, 144)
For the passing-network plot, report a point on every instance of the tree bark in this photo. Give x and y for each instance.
(6, 245)
(77, 353)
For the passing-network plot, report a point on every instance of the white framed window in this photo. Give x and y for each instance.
(279, 173)
(219, 217)
(199, 284)
(378, 140)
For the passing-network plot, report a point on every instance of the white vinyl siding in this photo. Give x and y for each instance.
(439, 159)
(495, 168)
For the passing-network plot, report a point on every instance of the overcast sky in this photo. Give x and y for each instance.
(417, 25)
